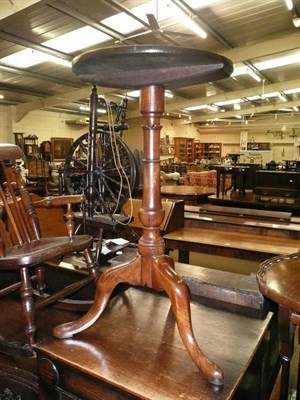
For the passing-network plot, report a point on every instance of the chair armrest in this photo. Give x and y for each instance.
(58, 201)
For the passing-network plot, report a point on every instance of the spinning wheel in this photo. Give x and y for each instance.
(114, 171)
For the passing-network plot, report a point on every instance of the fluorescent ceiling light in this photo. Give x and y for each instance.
(271, 94)
(296, 22)
(292, 91)
(169, 94)
(289, 4)
(243, 70)
(87, 108)
(195, 108)
(251, 98)
(278, 62)
(254, 75)
(239, 71)
(282, 97)
(228, 102)
(213, 108)
(189, 23)
(296, 108)
(1, 97)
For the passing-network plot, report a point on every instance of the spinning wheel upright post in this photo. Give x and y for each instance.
(152, 69)
(92, 137)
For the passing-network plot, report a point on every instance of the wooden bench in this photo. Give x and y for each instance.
(246, 212)
(226, 243)
(224, 290)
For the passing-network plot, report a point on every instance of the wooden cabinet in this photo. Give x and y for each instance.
(188, 150)
(197, 150)
(282, 187)
(30, 143)
(210, 150)
(184, 149)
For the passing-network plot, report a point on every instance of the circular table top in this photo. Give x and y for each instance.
(146, 65)
(279, 280)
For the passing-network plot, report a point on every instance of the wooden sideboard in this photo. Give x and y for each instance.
(282, 187)
(134, 351)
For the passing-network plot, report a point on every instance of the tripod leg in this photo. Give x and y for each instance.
(130, 273)
(177, 291)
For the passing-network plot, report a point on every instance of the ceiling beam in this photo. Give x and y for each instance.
(86, 20)
(180, 105)
(266, 48)
(263, 49)
(36, 75)
(35, 46)
(246, 111)
(115, 4)
(23, 109)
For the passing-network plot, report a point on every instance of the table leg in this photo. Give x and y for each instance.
(286, 332)
(218, 183)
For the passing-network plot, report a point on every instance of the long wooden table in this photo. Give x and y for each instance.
(190, 194)
(134, 351)
(263, 222)
(228, 243)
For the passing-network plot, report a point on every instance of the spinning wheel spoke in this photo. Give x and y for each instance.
(114, 172)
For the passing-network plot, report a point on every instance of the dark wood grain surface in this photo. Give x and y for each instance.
(135, 348)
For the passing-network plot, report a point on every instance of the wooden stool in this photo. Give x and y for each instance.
(279, 280)
(151, 68)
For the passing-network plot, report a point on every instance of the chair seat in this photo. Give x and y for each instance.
(38, 251)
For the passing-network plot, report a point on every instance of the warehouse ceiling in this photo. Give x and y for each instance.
(37, 47)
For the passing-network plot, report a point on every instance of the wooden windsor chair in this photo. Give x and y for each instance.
(22, 247)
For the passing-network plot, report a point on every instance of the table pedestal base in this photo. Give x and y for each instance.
(162, 277)
(151, 267)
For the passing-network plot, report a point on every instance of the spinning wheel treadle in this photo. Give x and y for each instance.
(151, 68)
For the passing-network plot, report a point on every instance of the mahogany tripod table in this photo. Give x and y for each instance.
(151, 69)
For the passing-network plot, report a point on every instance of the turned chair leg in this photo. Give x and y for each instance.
(26, 293)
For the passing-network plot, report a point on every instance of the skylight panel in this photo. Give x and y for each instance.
(123, 23)
(76, 40)
(70, 42)
(29, 57)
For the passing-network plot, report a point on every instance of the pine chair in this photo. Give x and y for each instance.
(22, 247)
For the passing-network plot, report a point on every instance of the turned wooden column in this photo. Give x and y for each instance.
(151, 213)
